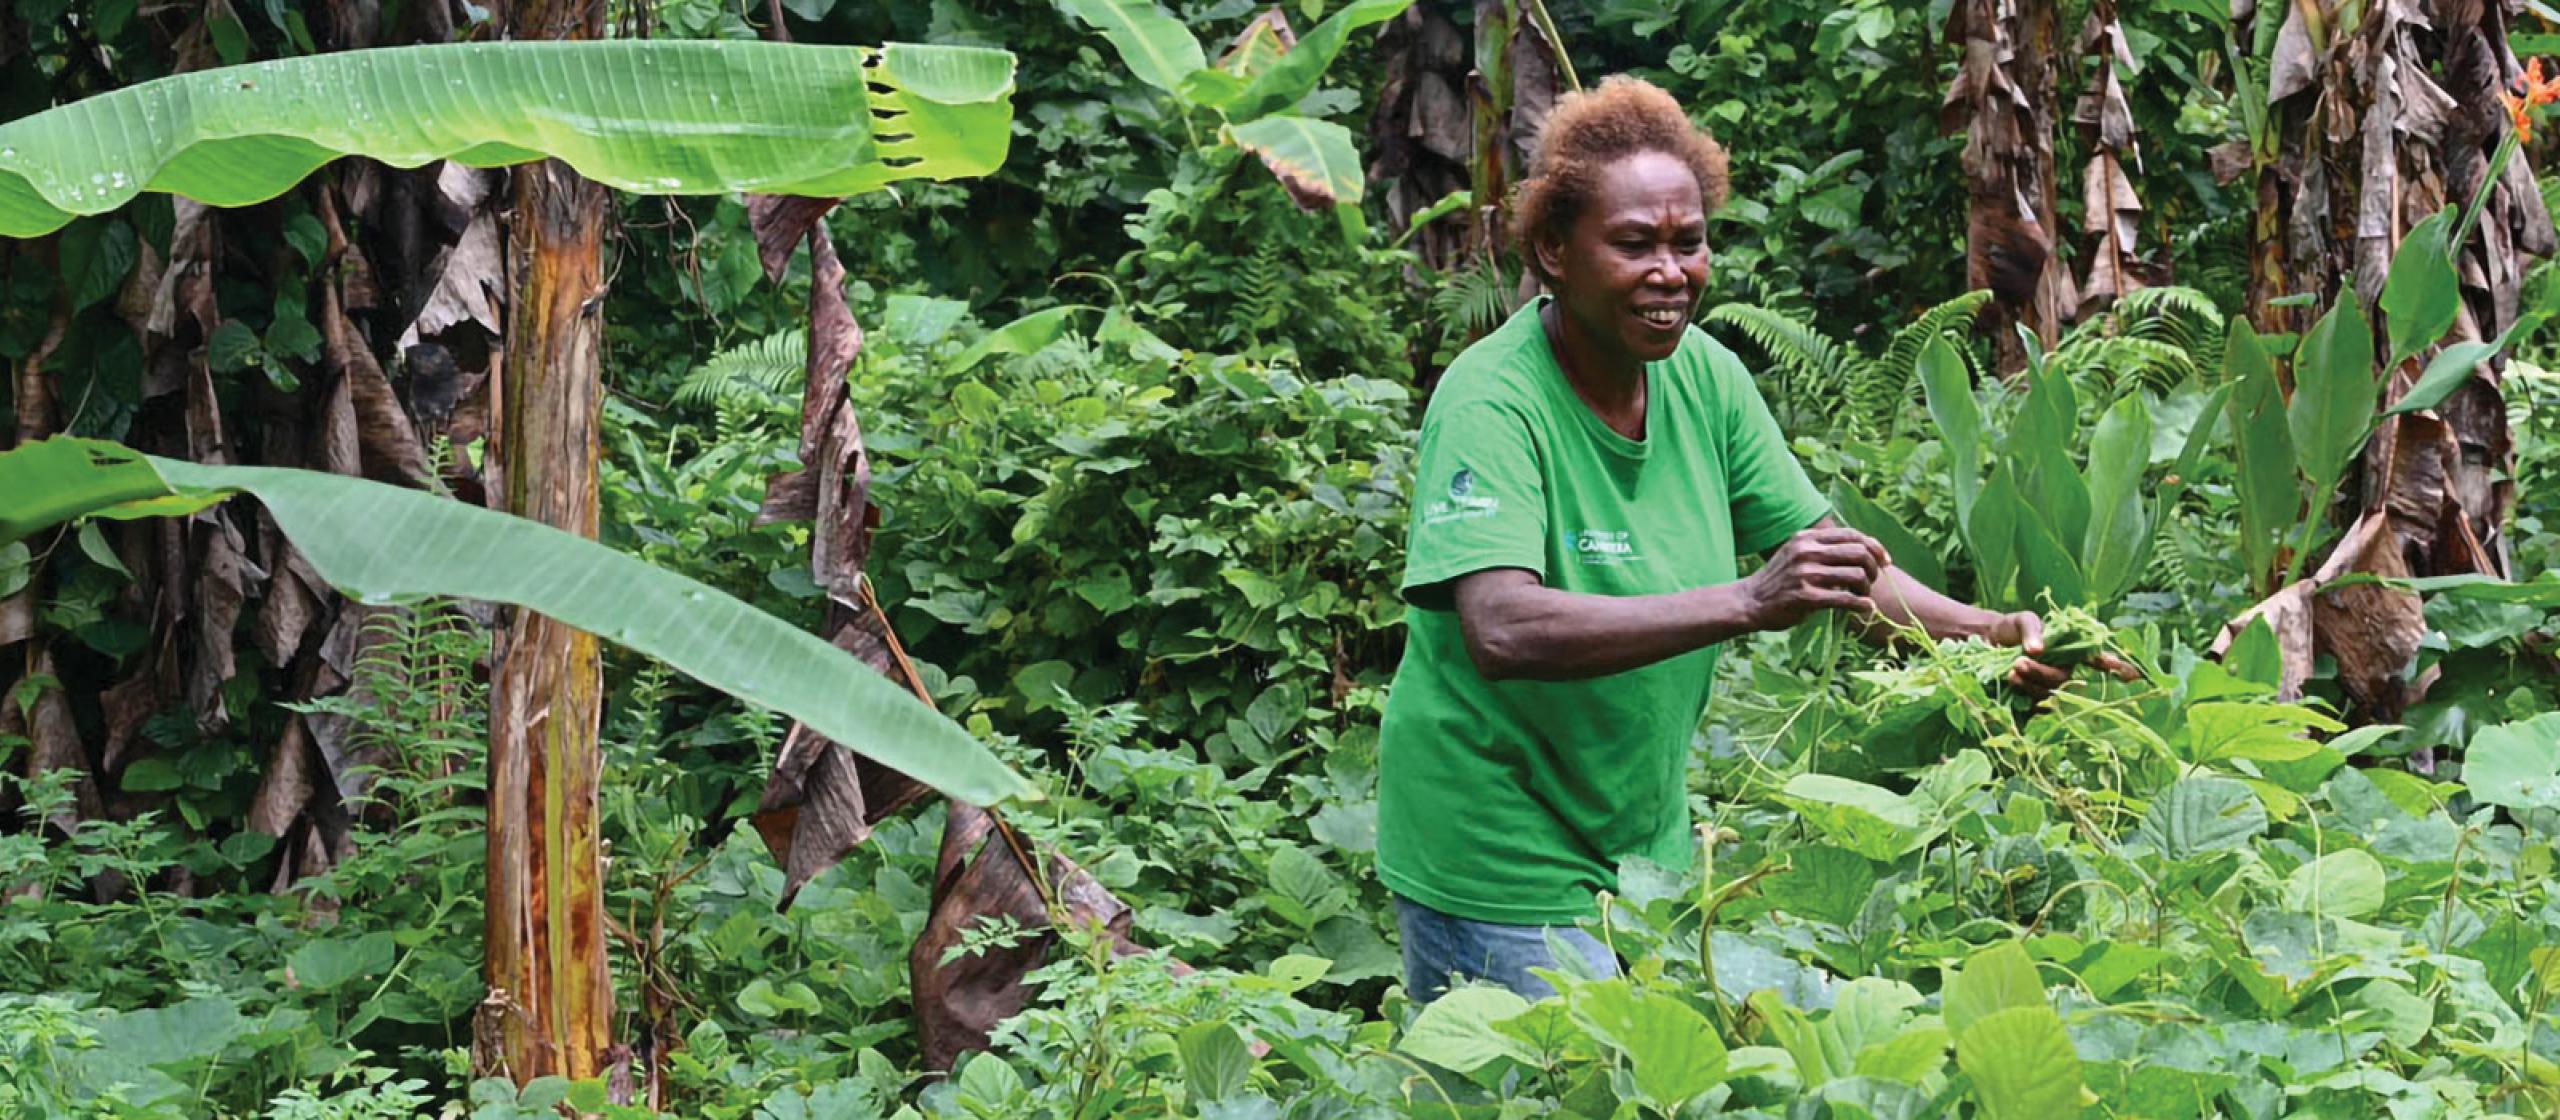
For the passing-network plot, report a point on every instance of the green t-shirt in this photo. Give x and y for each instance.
(1513, 801)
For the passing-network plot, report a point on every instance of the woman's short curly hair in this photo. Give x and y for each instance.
(1591, 129)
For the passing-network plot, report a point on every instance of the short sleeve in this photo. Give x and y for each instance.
(1479, 498)
(1771, 497)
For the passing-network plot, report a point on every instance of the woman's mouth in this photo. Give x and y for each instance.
(1662, 318)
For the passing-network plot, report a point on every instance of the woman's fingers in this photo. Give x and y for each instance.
(2117, 667)
(2037, 678)
(1840, 577)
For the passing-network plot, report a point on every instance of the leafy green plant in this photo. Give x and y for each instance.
(1253, 93)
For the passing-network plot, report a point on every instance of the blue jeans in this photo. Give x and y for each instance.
(1439, 947)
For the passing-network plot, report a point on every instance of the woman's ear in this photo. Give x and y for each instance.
(1546, 253)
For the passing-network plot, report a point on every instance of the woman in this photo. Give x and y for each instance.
(1589, 472)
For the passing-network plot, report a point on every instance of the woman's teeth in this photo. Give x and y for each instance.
(1661, 317)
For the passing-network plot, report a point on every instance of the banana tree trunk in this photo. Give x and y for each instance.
(551, 996)
(2002, 100)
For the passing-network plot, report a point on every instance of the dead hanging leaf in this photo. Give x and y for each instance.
(124, 707)
(2288, 614)
(285, 787)
(986, 873)
(293, 599)
(223, 573)
(822, 800)
(386, 443)
(53, 739)
(186, 282)
(2371, 630)
(470, 284)
(780, 221)
(2297, 65)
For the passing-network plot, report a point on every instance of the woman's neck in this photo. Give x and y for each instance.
(1611, 386)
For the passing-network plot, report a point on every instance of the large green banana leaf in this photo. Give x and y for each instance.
(676, 117)
(382, 543)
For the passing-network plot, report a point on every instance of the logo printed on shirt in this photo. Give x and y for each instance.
(1601, 546)
(1462, 504)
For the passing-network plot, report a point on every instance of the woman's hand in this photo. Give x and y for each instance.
(1828, 567)
(2025, 631)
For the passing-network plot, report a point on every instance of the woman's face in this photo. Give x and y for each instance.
(1632, 266)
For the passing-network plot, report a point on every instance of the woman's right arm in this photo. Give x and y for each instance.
(1517, 628)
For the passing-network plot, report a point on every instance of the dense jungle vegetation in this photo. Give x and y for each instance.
(2215, 331)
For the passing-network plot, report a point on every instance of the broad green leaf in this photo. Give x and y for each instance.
(2343, 884)
(2118, 544)
(1873, 822)
(2022, 1065)
(381, 543)
(2403, 1016)
(2045, 564)
(2333, 397)
(52, 481)
(2219, 731)
(1021, 336)
(647, 116)
(2455, 364)
(2256, 655)
(1315, 159)
(2203, 814)
(2445, 373)
(2270, 497)
(2422, 294)
(1154, 44)
(1909, 552)
(1215, 1061)
(2516, 765)
(1457, 1030)
(1991, 532)
(1992, 980)
(1823, 882)
(323, 965)
(1910, 1057)
(1948, 383)
(1296, 73)
(2038, 448)
(1671, 1049)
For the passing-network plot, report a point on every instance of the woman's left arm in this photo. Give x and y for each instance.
(1904, 603)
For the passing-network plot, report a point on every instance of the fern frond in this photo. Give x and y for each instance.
(1812, 370)
(2113, 364)
(1473, 301)
(1880, 391)
(767, 366)
(2182, 317)
(1261, 289)
(1790, 343)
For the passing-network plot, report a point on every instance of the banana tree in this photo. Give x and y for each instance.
(659, 118)
(2298, 453)
(2365, 122)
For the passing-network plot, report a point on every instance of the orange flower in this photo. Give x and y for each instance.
(2532, 89)
(2537, 89)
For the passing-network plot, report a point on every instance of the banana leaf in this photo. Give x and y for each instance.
(674, 117)
(380, 544)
